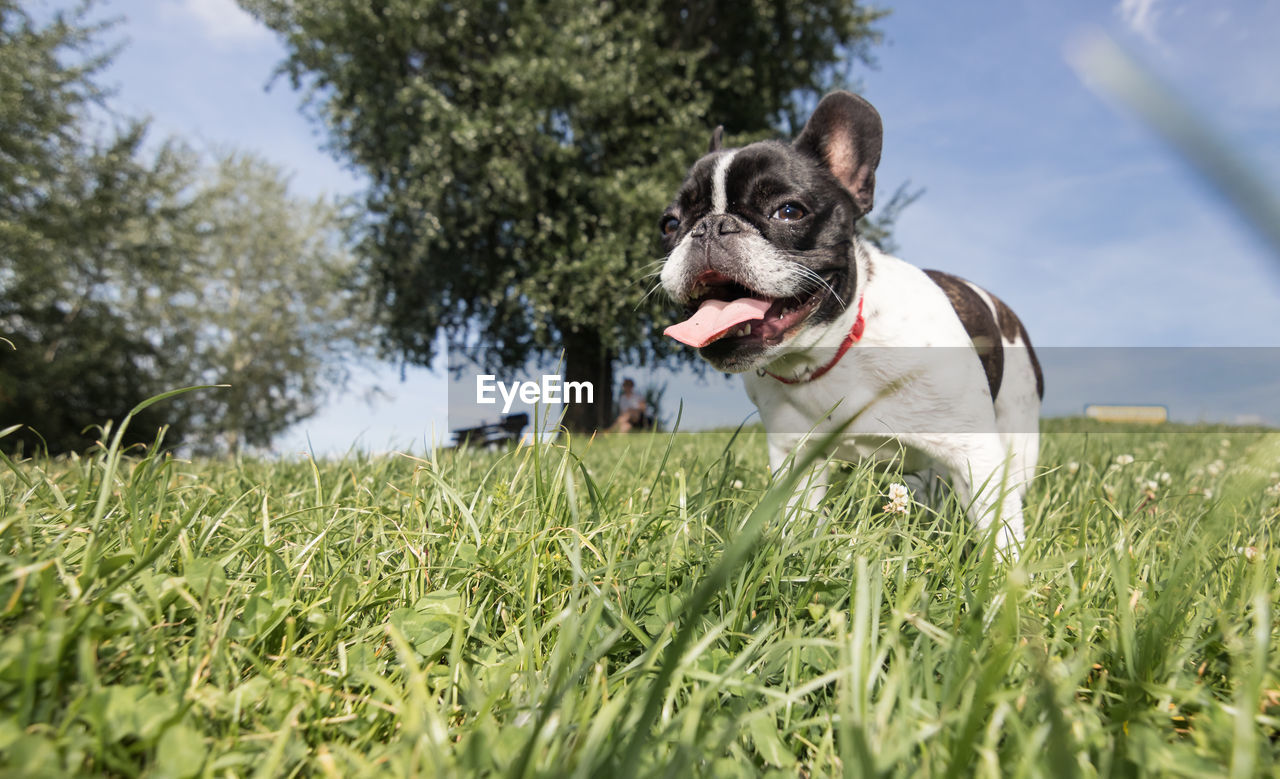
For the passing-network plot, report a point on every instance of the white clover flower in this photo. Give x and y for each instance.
(1274, 490)
(737, 484)
(1163, 477)
(899, 499)
(1208, 493)
(1216, 467)
(1149, 488)
(1225, 443)
(1073, 467)
(1124, 459)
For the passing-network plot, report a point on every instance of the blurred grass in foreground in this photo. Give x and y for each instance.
(510, 613)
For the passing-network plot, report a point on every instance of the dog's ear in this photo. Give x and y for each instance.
(844, 134)
(717, 139)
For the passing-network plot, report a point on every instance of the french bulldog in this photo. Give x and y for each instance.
(763, 250)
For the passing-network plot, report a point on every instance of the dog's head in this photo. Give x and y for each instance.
(760, 240)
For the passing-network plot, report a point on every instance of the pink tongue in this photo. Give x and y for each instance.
(714, 318)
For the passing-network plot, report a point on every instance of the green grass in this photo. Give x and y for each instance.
(634, 606)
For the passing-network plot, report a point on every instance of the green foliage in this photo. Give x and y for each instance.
(520, 153)
(125, 272)
(79, 221)
(265, 303)
(608, 610)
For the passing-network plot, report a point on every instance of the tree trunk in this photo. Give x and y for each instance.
(586, 359)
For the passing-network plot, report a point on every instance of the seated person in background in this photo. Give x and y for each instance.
(631, 408)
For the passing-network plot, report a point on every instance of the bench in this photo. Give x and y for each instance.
(509, 430)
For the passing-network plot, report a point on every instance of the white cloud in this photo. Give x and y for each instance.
(1140, 16)
(223, 20)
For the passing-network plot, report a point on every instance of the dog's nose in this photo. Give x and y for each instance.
(722, 224)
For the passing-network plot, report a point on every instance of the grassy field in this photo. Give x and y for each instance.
(634, 606)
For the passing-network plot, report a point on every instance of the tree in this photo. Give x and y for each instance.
(519, 153)
(80, 240)
(126, 272)
(267, 306)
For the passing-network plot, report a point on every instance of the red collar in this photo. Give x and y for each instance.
(853, 336)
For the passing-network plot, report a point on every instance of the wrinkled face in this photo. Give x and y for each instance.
(770, 227)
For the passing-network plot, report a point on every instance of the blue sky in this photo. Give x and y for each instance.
(1036, 186)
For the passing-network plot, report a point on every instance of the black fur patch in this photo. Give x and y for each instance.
(1011, 328)
(978, 322)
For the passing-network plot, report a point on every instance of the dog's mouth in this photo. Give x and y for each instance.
(723, 309)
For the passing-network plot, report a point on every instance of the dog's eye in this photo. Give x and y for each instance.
(669, 225)
(789, 212)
